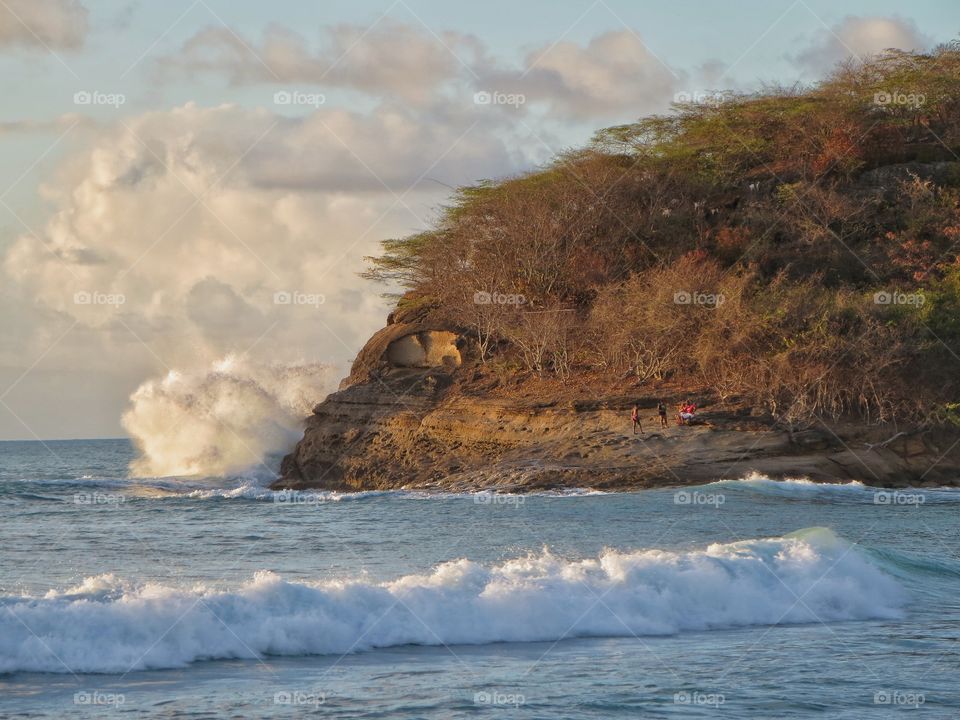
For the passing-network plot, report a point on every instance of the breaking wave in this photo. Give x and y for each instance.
(850, 492)
(110, 625)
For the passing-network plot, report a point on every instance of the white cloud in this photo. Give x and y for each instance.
(55, 24)
(289, 204)
(340, 151)
(59, 124)
(860, 37)
(171, 281)
(613, 76)
(391, 59)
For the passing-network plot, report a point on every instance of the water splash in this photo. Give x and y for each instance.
(222, 419)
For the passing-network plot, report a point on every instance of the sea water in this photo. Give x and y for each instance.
(215, 597)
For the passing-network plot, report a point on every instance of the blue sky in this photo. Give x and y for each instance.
(188, 190)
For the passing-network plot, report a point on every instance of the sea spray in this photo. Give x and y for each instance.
(224, 418)
(109, 624)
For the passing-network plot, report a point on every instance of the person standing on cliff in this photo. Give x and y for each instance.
(635, 417)
(662, 412)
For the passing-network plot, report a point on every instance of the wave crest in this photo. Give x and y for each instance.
(853, 491)
(109, 625)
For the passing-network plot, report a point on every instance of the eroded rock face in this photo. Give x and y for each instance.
(402, 420)
(406, 345)
(429, 348)
(415, 428)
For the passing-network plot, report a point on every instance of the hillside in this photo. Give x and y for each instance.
(824, 220)
(791, 257)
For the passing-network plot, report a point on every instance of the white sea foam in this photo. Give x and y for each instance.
(796, 486)
(110, 625)
(222, 419)
(254, 490)
(853, 491)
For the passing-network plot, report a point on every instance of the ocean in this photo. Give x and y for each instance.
(215, 597)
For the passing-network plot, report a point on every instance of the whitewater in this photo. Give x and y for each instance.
(107, 625)
(205, 594)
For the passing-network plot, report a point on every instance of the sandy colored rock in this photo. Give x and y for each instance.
(413, 428)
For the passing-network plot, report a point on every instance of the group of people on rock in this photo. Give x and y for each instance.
(686, 412)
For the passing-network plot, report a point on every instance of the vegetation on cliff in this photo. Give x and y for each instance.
(797, 248)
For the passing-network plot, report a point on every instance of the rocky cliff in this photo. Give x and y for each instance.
(408, 416)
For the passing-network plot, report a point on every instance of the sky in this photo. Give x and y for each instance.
(195, 182)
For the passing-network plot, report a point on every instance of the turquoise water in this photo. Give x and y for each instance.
(169, 598)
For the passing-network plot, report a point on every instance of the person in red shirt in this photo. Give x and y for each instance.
(687, 412)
